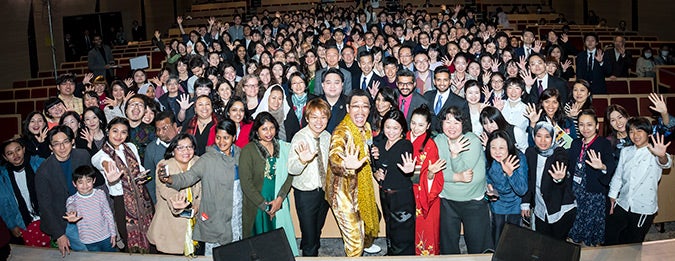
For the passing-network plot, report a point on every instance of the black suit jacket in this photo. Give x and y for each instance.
(338, 112)
(416, 101)
(53, 192)
(291, 123)
(453, 100)
(553, 82)
(618, 68)
(555, 194)
(596, 181)
(356, 84)
(596, 77)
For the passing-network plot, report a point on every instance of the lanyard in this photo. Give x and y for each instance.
(584, 147)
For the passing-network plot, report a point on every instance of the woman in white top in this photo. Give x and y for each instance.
(472, 94)
(125, 176)
(633, 190)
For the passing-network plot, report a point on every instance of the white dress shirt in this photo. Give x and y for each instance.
(307, 176)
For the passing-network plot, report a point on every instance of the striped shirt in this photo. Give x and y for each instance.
(97, 223)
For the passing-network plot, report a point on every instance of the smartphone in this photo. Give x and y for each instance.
(166, 171)
(188, 213)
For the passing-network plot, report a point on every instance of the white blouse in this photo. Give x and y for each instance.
(98, 159)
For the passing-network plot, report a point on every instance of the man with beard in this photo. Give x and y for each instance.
(140, 134)
(441, 98)
(408, 98)
(166, 129)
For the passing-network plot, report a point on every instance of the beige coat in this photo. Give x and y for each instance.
(167, 230)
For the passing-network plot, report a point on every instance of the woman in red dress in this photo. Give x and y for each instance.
(426, 184)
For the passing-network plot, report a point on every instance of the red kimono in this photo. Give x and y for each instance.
(427, 203)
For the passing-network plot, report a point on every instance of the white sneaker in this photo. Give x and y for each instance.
(373, 249)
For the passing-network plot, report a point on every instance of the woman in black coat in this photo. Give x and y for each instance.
(549, 196)
(297, 99)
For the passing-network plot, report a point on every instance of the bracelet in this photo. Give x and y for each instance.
(557, 180)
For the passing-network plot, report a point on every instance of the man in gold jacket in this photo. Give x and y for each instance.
(349, 181)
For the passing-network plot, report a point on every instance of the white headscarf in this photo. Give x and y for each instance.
(264, 103)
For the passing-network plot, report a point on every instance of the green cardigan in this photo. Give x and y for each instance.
(251, 169)
(474, 159)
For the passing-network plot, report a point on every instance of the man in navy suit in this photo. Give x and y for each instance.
(408, 98)
(366, 81)
(442, 97)
(592, 65)
(530, 45)
(619, 58)
(542, 81)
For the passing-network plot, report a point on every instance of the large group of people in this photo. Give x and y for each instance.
(457, 125)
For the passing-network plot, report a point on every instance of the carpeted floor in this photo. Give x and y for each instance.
(334, 247)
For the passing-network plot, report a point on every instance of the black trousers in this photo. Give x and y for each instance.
(624, 227)
(398, 207)
(312, 208)
(475, 216)
(559, 229)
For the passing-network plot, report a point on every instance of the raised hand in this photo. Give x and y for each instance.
(85, 134)
(179, 201)
(374, 88)
(72, 217)
(87, 78)
(595, 160)
(408, 165)
(184, 101)
(499, 103)
(574, 110)
(179, 20)
(532, 114)
(155, 80)
(522, 62)
(459, 84)
(157, 34)
(350, 157)
(659, 104)
(459, 146)
(304, 153)
(437, 166)
(658, 148)
(483, 139)
(510, 164)
(566, 65)
(486, 80)
(212, 20)
(558, 171)
(564, 38)
(112, 173)
(537, 46)
(167, 50)
(527, 77)
(486, 91)
(495, 65)
(128, 96)
(128, 82)
(42, 136)
(599, 55)
(109, 102)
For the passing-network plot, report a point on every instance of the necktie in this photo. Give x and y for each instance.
(403, 105)
(439, 105)
(319, 161)
(541, 87)
(590, 61)
(363, 84)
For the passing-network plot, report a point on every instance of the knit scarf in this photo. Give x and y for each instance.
(30, 182)
(137, 204)
(299, 105)
(366, 195)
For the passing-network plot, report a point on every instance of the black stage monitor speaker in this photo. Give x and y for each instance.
(272, 245)
(521, 244)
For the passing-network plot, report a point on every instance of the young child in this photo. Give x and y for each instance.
(90, 209)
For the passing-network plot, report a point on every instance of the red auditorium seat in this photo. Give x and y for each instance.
(644, 106)
(22, 94)
(34, 83)
(39, 93)
(25, 107)
(641, 86)
(6, 95)
(10, 126)
(630, 104)
(19, 84)
(600, 105)
(618, 86)
(7, 107)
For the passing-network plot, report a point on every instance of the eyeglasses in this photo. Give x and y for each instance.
(406, 84)
(184, 148)
(57, 144)
(137, 104)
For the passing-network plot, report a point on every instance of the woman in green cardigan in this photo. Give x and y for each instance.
(265, 181)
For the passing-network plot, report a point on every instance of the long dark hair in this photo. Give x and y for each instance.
(390, 95)
(26, 133)
(558, 116)
(426, 113)
(609, 131)
(174, 143)
(261, 119)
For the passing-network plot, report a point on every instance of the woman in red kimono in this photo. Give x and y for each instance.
(426, 184)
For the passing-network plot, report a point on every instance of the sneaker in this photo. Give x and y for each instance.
(373, 249)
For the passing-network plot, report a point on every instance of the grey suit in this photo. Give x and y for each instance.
(346, 84)
(416, 101)
(97, 62)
